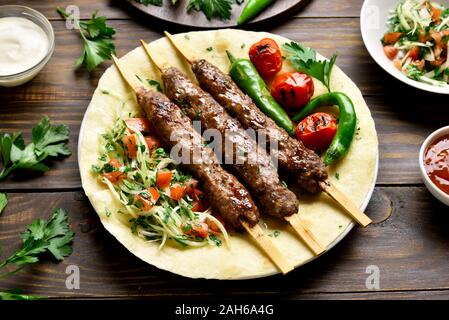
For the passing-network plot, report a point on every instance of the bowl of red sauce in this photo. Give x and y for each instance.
(434, 164)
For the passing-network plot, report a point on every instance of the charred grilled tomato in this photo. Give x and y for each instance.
(267, 57)
(293, 90)
(317, 131)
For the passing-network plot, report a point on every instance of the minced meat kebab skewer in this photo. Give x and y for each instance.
(250, 163)
(293, 157)
(227, 196)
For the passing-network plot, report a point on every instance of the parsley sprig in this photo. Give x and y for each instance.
(47, 141)
(97, 38)
(52, 236)
(304, 60)
(212, 8)
(3, 202)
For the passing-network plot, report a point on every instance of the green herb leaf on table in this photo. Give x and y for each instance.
(53, 235)
(16, 295)
(98, 43)
(212, 8)
(304, 60)
(47, 141)
(3, 202)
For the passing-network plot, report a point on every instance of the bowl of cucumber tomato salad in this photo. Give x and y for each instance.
(409, 39)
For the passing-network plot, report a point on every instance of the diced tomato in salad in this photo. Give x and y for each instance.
(155, 195)
(130, 144)
(177, 192)
(392, 37)
(417, 41)
(152, 142)
(391, 52)
(198, 229)
(115, 175)
(163, 179)
(414, 53)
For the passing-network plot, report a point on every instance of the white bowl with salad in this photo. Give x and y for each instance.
(408, 39)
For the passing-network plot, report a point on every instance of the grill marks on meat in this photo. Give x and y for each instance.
(225, 193)
(293, 157)
(253, 165)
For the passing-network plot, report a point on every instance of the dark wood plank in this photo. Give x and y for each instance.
(409, 246)
(386, 295)
(68, 83)
(119, 9)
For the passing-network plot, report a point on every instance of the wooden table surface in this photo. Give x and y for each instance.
(409, 241)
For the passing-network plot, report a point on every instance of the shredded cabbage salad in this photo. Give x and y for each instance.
(417, 40)
(163, 204)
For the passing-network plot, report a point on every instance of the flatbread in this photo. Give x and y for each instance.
(356, 172)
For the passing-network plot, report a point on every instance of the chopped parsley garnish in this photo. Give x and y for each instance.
(275, 234)
(155, 84)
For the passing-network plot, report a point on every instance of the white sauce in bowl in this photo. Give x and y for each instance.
(23, 44)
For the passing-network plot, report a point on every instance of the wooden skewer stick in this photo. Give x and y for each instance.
(303, 232)
(345, 203)
(267, 245)
(183, 53)
(331, 190)
(128, 79)
(256, 232)
(160, 65)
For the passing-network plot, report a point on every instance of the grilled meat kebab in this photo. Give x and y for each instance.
(227, 196)
(293, 157)
(250, 163)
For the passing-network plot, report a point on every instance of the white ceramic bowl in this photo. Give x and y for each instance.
(373, 24)
(439, 194)
(39, 19)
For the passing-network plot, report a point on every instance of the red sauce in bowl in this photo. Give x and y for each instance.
(436, 163)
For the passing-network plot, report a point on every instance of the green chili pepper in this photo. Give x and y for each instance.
(248, 79)
(346, 124)
(252, 9)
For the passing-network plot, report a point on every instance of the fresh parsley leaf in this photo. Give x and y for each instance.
(98, 43)
(47, 141)
(3, 202)
(17, 295)
(304, 60)
(53, 235)
(212, 8)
